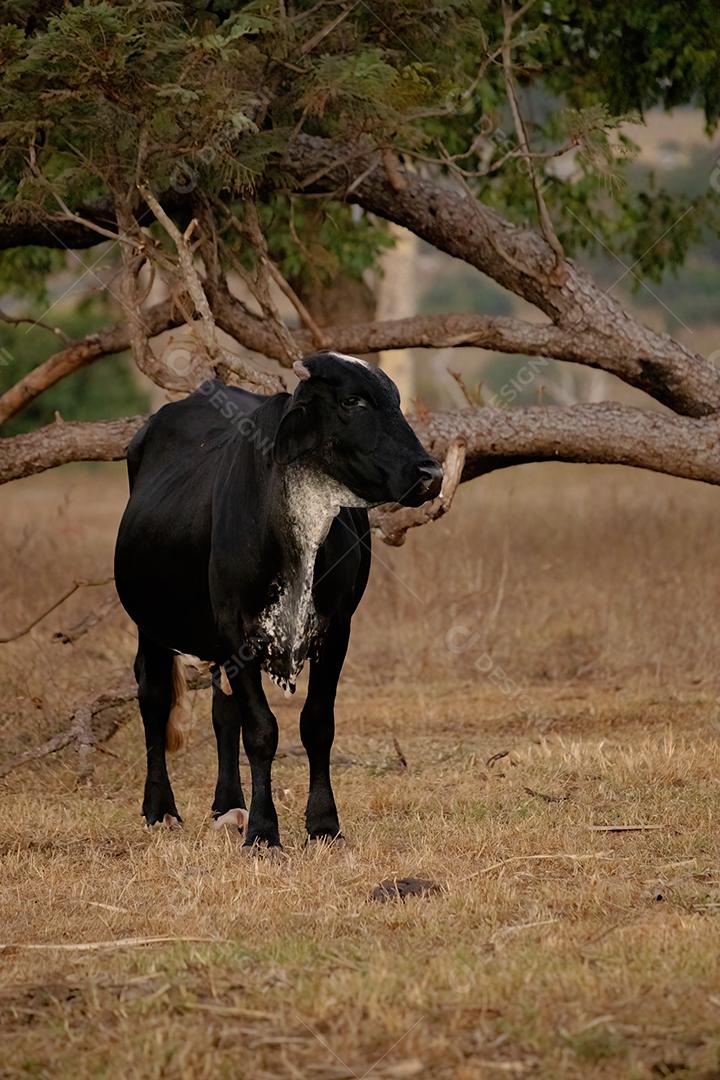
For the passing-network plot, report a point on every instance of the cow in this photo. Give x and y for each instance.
(245, 542)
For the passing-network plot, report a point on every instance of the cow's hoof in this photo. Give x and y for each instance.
(326, 841)
(169, 821)
(232, 820)
(261, 850)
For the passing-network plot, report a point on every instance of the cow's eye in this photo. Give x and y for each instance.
(353, 403)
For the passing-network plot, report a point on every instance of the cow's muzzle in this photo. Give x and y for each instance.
(431, 478)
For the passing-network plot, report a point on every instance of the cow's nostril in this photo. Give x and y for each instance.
(431, 478)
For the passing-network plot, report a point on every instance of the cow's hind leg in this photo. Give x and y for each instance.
(154, 674)
(317, 731)
(260, 739)
(229, 803)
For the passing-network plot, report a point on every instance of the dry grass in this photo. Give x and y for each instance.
(566, 617)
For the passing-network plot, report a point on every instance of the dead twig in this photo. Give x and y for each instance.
(626, 828)
(473, 398)
(546, 224)
(190, 275)
(13, 320)
(259, 282)
(61, 600)
(546, 797)
(119, 943)
(320, 340)
(540, 858)
(401, 756)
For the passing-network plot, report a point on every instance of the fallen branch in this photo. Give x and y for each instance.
(93, 723)
(118, 943)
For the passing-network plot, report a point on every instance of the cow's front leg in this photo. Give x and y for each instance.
(317, 731)
(260, 739)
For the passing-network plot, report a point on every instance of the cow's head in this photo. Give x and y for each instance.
(345, 417)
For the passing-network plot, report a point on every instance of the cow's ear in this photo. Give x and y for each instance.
(296, 435)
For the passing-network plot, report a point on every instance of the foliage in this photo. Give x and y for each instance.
(202, 95)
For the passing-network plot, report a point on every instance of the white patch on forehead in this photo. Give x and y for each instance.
(289, 625)
(352, 359)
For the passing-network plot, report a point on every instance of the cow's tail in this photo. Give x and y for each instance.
(178, 724)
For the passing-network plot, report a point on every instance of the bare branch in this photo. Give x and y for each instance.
(191, 277)
(79, 354)
(545, 220)
(61, 600)
(259, 283)
(320, 339)
(13, 320)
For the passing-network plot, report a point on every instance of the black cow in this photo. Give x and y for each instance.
(245, 542)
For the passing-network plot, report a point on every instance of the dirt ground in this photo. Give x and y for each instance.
(525, 676)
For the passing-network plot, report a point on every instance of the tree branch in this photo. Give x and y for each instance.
(190, 276)
(58, 443)
(522, 261)
(604, 433)
(498, 333)
(93, 723)
(79, 354)
(546, 224)
(516, 257)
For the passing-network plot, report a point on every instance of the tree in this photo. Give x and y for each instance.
(212, 142)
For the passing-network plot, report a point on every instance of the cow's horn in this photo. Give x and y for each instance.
(300, 370)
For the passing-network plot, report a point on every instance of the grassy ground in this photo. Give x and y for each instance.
(563, 618)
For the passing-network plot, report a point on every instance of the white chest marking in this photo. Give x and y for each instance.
(289, 624)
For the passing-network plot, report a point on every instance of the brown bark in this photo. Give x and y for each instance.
(58, 443)
(604, 433)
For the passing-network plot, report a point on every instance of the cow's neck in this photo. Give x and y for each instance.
(309, 502)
